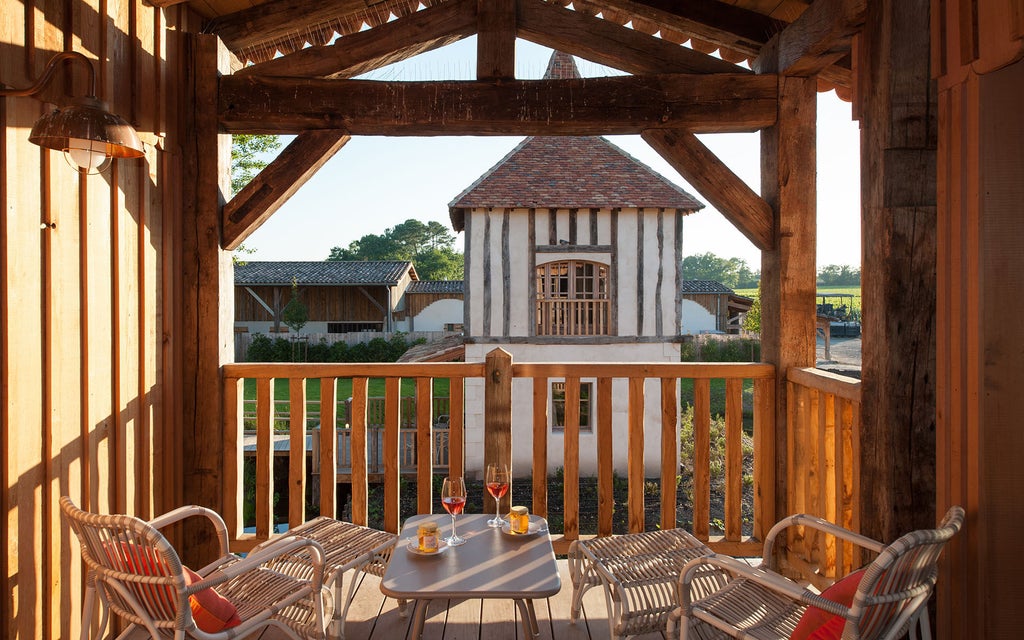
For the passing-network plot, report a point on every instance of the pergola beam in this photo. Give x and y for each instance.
(585, 106)
(817, 39)
(277, 182)
(607, 43)
(496, 40)
(716, 182)
(387, 44)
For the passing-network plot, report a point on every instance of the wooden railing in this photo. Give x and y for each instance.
(823, 475)
(731, 541)
(374, 409)
(583, 317)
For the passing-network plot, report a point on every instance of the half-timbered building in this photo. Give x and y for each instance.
(116, 285)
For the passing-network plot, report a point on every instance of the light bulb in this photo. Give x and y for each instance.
(87, 155)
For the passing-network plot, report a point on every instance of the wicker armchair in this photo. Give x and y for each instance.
(135, 572)
(890, 600)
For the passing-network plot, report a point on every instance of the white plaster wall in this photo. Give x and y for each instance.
(522, 407)
(519, 275)
(626, 279)
(436, 315)
(696, 319)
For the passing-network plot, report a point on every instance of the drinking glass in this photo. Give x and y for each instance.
(497, 478)
(453, 499)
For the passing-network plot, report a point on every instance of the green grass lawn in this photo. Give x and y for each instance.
(344, 390)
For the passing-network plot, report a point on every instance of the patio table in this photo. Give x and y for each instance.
(491, 564)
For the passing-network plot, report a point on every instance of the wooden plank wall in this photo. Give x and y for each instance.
(347, 303)
(86, 268)
(978, 60)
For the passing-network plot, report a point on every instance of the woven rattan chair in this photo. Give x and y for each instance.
(135, 572)
(890, 600)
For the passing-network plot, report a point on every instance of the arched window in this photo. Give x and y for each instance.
(573, 299)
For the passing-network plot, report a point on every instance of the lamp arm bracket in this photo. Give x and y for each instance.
(51, 66)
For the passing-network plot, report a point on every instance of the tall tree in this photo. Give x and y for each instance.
(249, 154)
(428, 246)
(732, 272)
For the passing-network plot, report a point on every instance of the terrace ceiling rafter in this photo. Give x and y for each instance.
(361, 52)
(607, 43)
(821, 36)
(570, 107)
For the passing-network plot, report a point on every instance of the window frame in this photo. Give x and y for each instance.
(586, 406)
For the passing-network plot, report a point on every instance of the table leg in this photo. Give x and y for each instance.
(530, 627)
(419, 615)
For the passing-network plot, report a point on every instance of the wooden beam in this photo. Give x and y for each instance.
(716, 22)
(163, 3)
(607, 43)
(820, 37)
(277, 182)
(496, 40)
(716, 182)
(387, 44)
(280, 18)
(584, 106)
(788, 271)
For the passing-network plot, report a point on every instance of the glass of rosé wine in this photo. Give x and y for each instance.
(498, 479)
(453, 499)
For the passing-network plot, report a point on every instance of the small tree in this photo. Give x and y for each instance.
(295, 314)
(752, 321)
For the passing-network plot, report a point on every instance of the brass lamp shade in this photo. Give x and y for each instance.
(88, 133)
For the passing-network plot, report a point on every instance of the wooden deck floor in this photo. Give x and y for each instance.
(374, 617)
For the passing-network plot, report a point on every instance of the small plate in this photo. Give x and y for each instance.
(536, 526)
(413, 547)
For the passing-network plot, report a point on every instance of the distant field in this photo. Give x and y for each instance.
(854, 291)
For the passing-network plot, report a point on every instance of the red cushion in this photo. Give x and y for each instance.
(818, 624)
(211, 611)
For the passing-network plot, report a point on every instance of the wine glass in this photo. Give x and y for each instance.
(453, 499)
(498, 479)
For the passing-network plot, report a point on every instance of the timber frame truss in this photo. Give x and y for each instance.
(673, 91)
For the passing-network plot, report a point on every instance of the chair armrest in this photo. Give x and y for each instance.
(813, 522)
(279, 548)
(188, 511)
(763, 577)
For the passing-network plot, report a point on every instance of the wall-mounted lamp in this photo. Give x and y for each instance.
(86, 131)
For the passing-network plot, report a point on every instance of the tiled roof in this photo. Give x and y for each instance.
(567, 172)
(705, 286)
(435, 286)
(383, 272)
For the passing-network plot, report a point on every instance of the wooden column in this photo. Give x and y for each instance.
(788, 270)
(206, 286)
(896, 105)
(978, 58)
(498, 411)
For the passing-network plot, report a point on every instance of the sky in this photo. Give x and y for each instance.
(374, 182)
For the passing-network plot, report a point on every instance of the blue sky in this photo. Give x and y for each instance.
(374, 182)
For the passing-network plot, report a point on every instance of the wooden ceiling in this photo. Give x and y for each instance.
(257, 31)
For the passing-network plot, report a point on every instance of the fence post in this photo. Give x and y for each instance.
(498, 411)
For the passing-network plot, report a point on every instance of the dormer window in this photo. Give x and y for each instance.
(573, 299)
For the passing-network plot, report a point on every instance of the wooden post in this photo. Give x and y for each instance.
(788, 273)
(498, 411)
(206, 296)
(897, 110)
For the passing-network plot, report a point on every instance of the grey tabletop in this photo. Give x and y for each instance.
(491, 564)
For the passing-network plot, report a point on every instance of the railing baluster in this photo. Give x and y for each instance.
(392, 404)
(540, 447)
(360, 481)
(424, 445)
(328, 447)
(701, 458)
(571, 440)
(733, 459)
(605, 438)
(264, 458)
(635, 461)
(669, 450)
(297, 452)
(456, 423)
